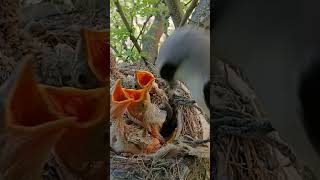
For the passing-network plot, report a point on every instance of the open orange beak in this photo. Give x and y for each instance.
(32, 127)
(137, 109)
(88, 106)
(85, 140)
(98, 52)
(119, 101)
(139, 104)
(145, 79)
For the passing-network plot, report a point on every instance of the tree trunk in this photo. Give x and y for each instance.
(150, 42)
(175, 11)
(201, 14)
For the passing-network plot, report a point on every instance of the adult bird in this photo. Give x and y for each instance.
(185, 56)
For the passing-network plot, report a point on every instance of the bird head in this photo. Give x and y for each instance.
(185, 56)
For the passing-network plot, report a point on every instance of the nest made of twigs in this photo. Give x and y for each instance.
(246, 145)
(184, 157)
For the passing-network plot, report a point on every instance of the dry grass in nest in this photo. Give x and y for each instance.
(244, 160)
(142, 167)
(176, 166)
(247, 147)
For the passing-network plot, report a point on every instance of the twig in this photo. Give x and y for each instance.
(142, 29)
(183, 101)
(143, 26)
(125, 21)
(197, 142)
(131, 14)
(175, 11)
(187, 3)
(193, 4)
(283, 147)
(114, 48)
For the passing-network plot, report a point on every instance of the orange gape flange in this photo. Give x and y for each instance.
(98, 52)
(119, 103)
(118, 129)
(145, 79)
(32, 127)
(82, 142)
(140, 104)
(141, 97)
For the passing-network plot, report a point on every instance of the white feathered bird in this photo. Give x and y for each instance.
(185, 56)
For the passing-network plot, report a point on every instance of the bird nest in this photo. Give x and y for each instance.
(184, 153)
(246, 145)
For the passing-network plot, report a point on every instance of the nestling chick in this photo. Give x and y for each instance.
(119, 103)
(124, 137)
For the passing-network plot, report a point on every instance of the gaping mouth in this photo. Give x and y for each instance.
(85, 105)
(145, 79)
(98, 52)
(26, 90)
(119, 101)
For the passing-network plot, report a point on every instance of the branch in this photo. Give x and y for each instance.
(115, 49)
(131, 14)
(125, 21)
(143, 27)
(142, 30)
(193, 4)
(175, 11)
(201, 14)
(146, 22)
(187, 3)
(151, 39)
(197, 142)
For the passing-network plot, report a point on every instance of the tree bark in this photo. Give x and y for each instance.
(201, 14)
(193, 4)
(150, 42)
(175, 11)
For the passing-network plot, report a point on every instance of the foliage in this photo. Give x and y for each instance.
(140, 14)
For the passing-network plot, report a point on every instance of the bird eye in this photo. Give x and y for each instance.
(167, 71)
